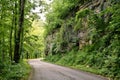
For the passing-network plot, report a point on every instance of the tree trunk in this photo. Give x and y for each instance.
(22, 39)
(20, 28)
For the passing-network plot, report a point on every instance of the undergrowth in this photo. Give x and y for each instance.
(90, 62)
(18, 71)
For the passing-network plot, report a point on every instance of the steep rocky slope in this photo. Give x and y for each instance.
(85, 32)
(71, 33)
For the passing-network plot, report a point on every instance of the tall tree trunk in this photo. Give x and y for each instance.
(22, 39)
(20, 26)
(15, 24)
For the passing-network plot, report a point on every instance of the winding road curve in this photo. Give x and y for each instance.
(46, 71)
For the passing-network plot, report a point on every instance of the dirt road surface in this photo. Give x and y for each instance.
(46, 71)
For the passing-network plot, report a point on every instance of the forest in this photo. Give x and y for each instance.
(20, 37)
(81, 34)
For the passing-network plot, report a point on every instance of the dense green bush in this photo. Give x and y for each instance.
(15, 71)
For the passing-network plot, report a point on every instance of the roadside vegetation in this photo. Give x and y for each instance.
(15, 71)
(85, 38)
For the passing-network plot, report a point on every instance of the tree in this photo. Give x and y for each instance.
(20, 30)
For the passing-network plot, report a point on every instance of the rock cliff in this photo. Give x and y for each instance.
(67, 36)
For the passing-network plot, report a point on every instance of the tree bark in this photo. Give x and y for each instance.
(20, 28)
(22, 39)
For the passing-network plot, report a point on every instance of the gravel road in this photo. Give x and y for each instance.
(46, 71)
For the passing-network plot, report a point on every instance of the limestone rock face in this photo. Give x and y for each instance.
(65, 38)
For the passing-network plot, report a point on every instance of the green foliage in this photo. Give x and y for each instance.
(82, 13)
(15, 72)
(63, 7)
(114, 24)
(102, 55)
(106, 41)
(79, 18)
(52, 58)
(9, 19)
(67, 59)
(33, 44)
(50, 28)
(58, 12)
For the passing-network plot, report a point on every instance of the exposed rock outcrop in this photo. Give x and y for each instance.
(65, 37)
